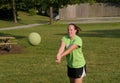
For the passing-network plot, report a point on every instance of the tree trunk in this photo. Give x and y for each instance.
(51, 14)
(14, 12)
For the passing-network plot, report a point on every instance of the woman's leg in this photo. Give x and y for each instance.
(71, 80)
(78, 80)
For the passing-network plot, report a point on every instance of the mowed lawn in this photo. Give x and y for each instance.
(36, 64)
(24, 19)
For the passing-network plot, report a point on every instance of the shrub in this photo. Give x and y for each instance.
(32, 12)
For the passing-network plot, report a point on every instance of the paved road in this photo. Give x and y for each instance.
(23, 26)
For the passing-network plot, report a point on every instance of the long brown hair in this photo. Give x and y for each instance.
(76, 27)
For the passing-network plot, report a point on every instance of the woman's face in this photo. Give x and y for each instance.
(71, 31)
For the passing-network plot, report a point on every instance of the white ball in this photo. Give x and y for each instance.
(34, 38)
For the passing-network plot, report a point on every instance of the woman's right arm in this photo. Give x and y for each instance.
(61, 48)
(60, 51)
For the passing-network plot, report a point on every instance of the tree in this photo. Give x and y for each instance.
(8, 10)
(14, 11)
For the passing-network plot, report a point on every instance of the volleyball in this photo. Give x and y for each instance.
(34, 38)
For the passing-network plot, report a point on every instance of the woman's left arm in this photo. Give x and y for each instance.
(70, 49)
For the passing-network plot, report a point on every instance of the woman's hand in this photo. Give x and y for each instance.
(58, 58)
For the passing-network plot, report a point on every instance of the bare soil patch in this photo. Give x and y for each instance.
(14, 50)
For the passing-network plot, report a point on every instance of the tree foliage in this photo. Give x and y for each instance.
(109, 1)
(6, 9)
(5, 4)
(43, 5)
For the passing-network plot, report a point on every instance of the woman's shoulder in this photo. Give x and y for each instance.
(77, 37)
(66, 37)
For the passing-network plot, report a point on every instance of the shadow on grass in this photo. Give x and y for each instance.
(34, 22)
(17, 37)
(115, 33)
(41, 21)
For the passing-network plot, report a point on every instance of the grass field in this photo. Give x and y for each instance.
(36, 64)
(24, 19)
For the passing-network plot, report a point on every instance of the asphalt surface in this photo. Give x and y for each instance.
(18, 27)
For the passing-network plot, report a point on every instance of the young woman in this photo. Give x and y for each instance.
(71, 47)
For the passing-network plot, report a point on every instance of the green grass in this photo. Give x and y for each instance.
(4, 24)
(24, 19)
(101, 47)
